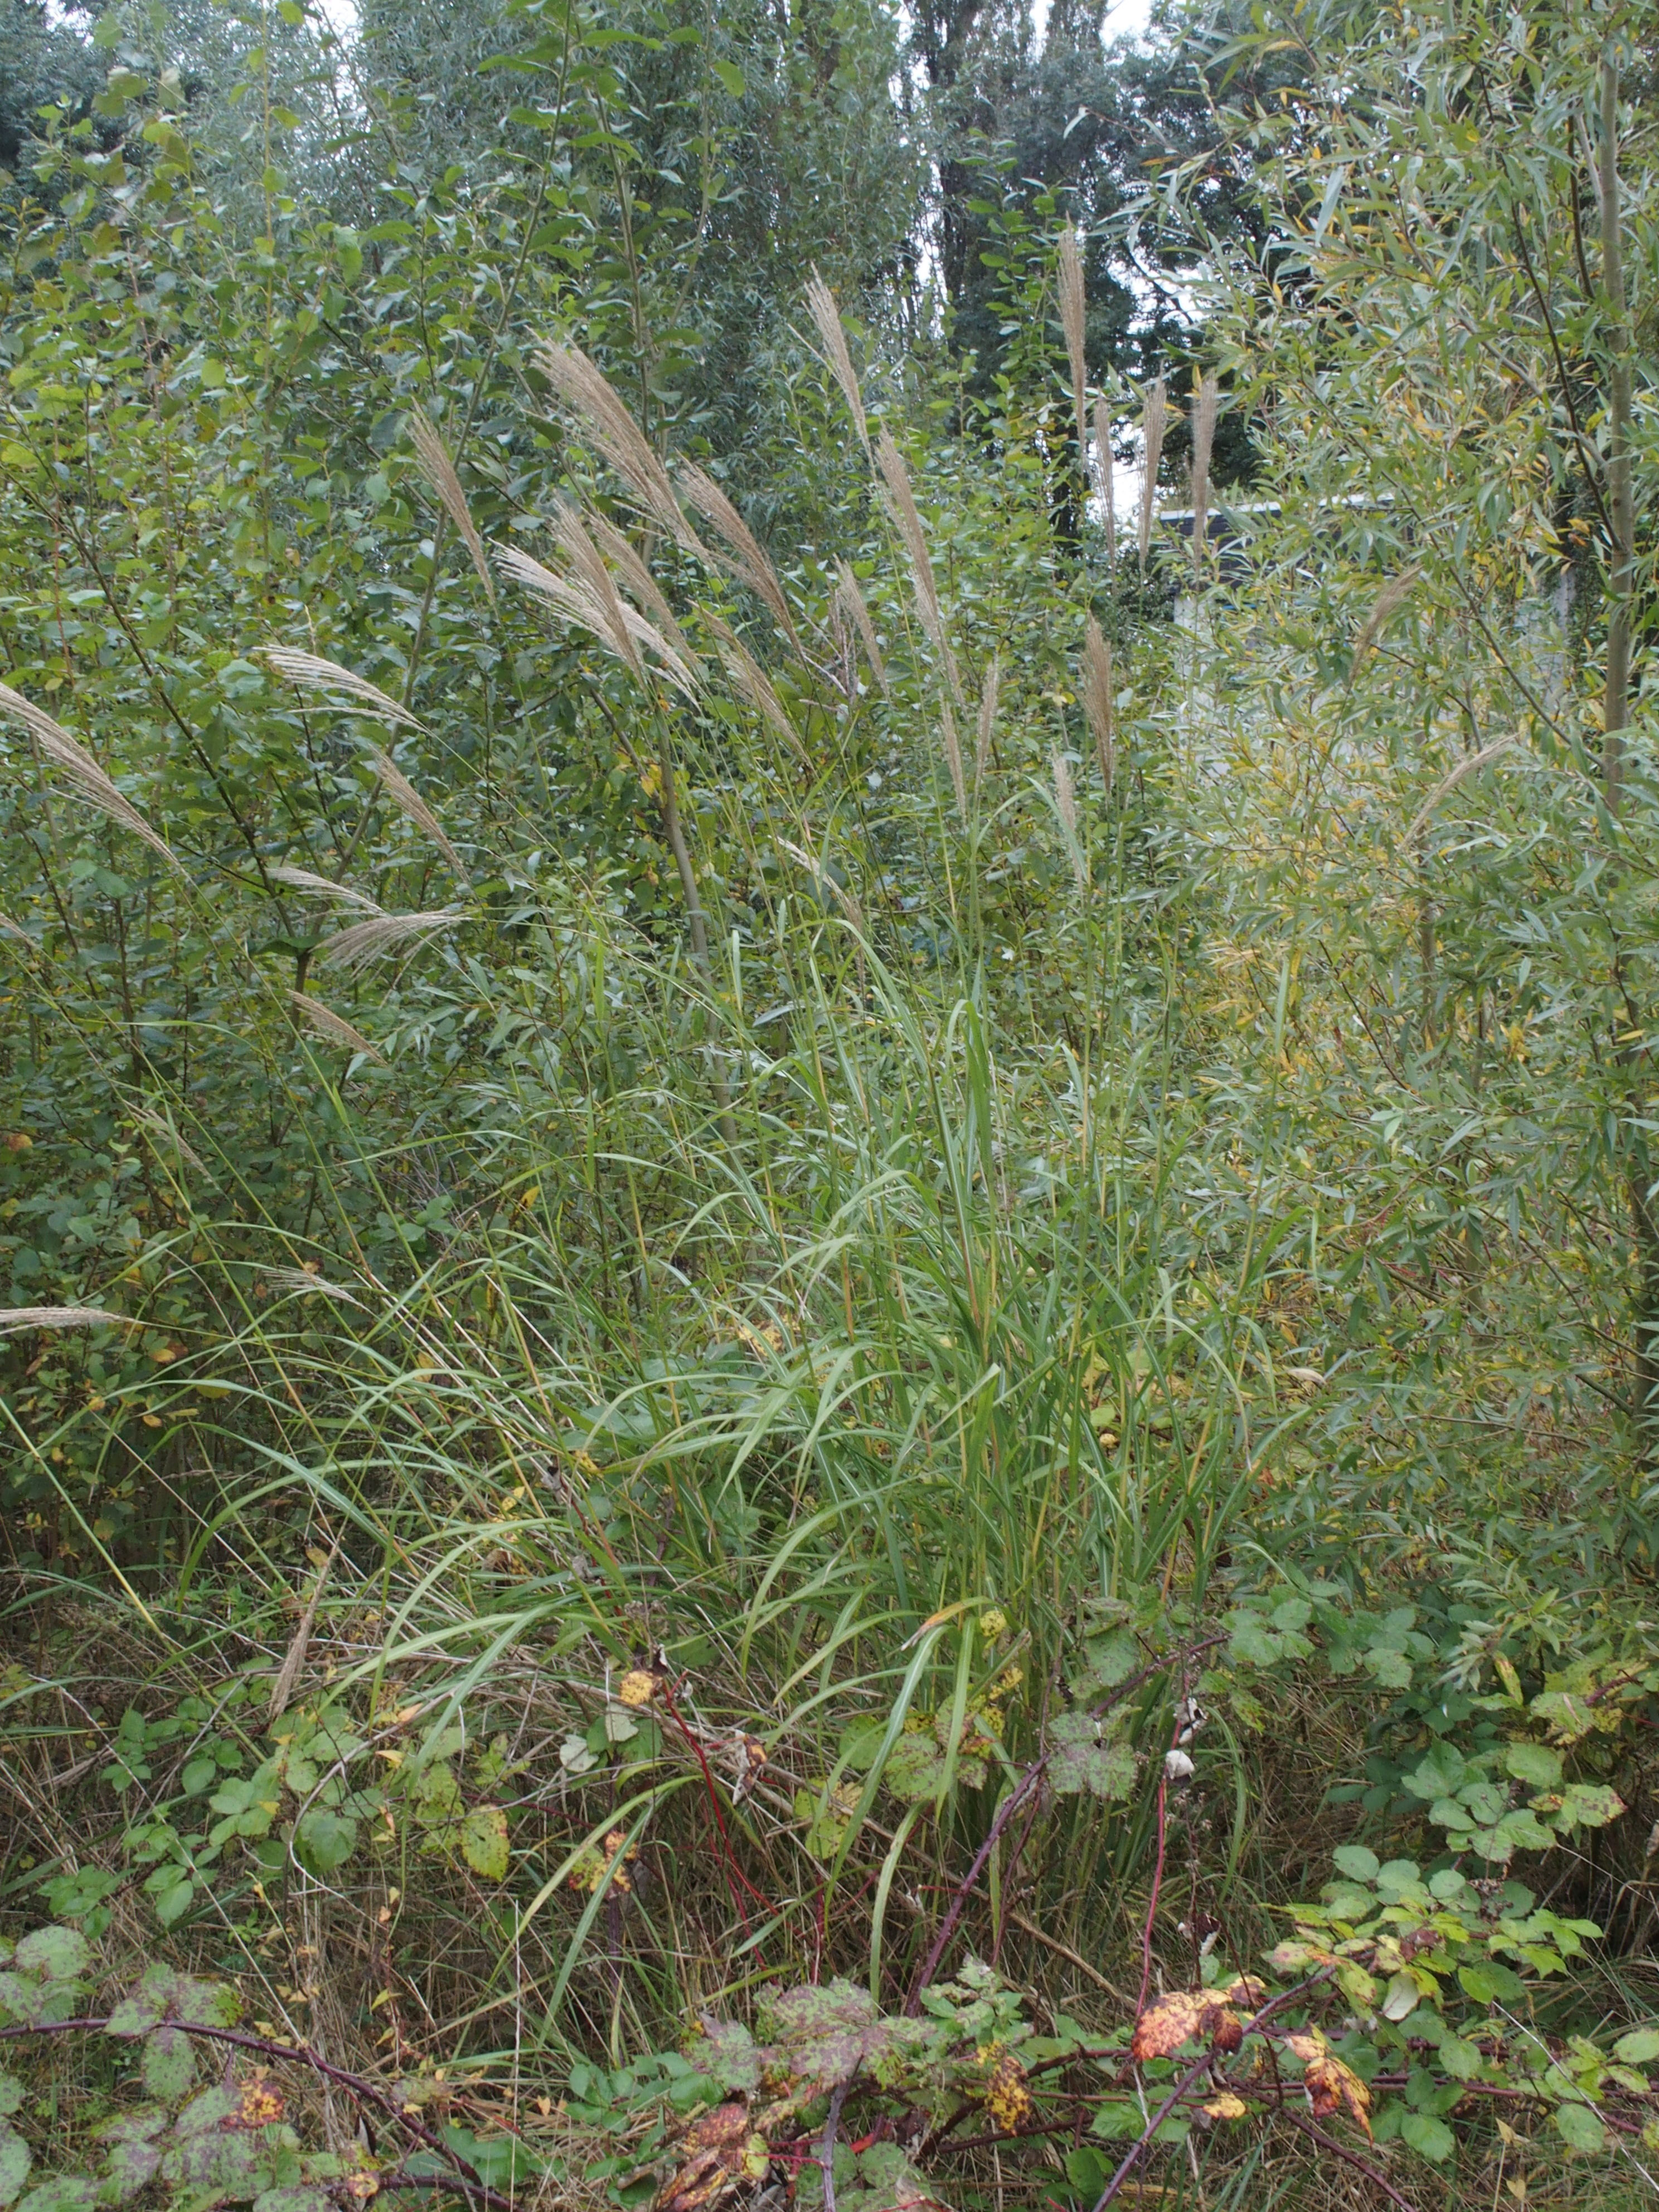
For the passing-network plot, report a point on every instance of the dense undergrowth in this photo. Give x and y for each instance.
(789, 1328)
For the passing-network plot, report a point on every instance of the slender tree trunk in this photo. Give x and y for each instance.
(1615, 713)
(1616, 718)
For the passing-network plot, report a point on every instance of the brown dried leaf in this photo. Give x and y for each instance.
(1330, 2084)
(723, 2154)
(1187, 2016)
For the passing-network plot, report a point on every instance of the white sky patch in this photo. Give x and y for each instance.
(1125, 19)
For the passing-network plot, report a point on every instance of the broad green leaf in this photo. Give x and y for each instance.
(14, 2162)
(169, 2064)
(484, 1842)
(1639, 2048)
(64, 2192)
(1534, 1763)
(1579, 2128)
(1356, 1861)
(56, 1954)
(1085, 2171)
(323, 1841)
(1585, 1805)
(1113, 1658)
(1432, 2137)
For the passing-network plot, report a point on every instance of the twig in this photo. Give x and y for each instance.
(1011, 1804)
(1132, 2157)
(826, 2147)
(1185, 2083)
(1152, 1902)
(1351, 2158)
(300, 2054)
(730, 1855)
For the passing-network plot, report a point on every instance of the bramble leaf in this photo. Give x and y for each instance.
(484, 1842)
(14, 2162)
(823, 2034)
(55, 1954)
(1579, 2128)
(169, 2064)
(1432, 2137)
(720, 2151)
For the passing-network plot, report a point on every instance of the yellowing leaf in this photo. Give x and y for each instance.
(1226, 2106)
(1189, 2016)
(483, 1842)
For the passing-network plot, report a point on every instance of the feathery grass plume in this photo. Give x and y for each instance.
(572, 598)
(288, 1674)
(364, 941)
(897, 479)
(404, 796)
(583, 386)
(16, 1318)
(749, 558)
(1203, 440)
(1065, 807)
(333, 1026)
(301, 1280)
(82, 770)
(1071, 317)
(1097, 699)
(623, 557)
(1466, 767)
(302, 879)
(10, 928)
(989, 693)
(847, 591)
(953, 756)
(596, 579)
(846, 900)
(159, 1126)
(1389, 600)
(440, 473)
(1107, 489)
(827, 315)
(313, 674)
(753, 681)
(1151, 456)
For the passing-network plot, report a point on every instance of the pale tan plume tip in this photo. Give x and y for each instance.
(363, 941)
(83, 773)
(405, 796)
(313, 674)
(827, 315)
(302, 879)
(1097, 699)
(1151, 456)
(1203, 440)
(16, 1318)
(989, 692)
(1389, 600)
(441, 473)
(1107, 489)
(1072, 321)
(335, 1027)
(854, 600)
(1466, 767)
